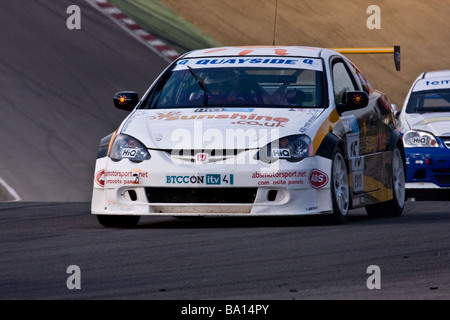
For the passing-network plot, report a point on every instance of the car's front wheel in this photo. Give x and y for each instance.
(340, 190)
(394, 207)
(112, 221)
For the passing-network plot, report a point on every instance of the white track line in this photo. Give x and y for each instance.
(7, 193)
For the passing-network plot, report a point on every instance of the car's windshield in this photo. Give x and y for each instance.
(429, 101)
(239, 82)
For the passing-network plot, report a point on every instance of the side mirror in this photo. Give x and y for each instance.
(126, 100)
(353, 100)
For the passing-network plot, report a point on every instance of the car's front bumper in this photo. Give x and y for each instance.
(428, 173)
(161, 187)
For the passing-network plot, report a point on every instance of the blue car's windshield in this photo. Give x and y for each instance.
(280, 83)
(429, 101)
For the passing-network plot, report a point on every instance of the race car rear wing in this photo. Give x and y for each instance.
(395, 50)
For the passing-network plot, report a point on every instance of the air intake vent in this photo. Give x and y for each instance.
(446, 141)
(201, 195)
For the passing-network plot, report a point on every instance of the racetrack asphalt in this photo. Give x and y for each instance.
(223, 258)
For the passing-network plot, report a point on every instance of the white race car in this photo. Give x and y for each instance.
(425, 121)
(254, 131)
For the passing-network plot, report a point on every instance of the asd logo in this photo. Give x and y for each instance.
(318, 179)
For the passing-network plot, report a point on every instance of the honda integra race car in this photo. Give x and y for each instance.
(425, 121)
(254, 131)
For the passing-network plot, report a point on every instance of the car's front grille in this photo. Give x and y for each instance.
(203, 156)
(442, 175)
(443, 179)
(441, 171)
(200, 195)
(446, 141)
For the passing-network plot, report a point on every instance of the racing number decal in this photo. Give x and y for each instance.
(358, 174)
(357, 162)
(353, 145)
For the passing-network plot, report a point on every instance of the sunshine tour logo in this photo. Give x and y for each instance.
(237, 118)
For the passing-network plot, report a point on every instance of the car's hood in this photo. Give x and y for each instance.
(436, 123)
(216, 128)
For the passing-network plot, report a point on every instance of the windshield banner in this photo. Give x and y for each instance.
(258, 62)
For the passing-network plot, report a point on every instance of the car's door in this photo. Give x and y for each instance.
(382, 116)
(361, 131)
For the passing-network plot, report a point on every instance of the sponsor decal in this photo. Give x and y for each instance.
(282, 174)
(209, 109)
(280, 178)
(427, 84)
(238, 118)
(207, 179)
(224, 109)
(281, 153)
(358, 201)
(124, 177)
(213, 179)
(270, 62)
(436, 82)
(311, 120)
(128, 152)
(318, 179)
(238, 109)
(298, 109)
(100, 178)
(350, 124)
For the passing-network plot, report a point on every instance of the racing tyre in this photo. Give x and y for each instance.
(110, 221)
(340, 190)
(394, 207)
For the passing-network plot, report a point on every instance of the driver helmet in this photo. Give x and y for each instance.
(221, 82)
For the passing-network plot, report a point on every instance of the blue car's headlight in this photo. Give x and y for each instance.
(414, 139)
(292, 148)
(126, 147)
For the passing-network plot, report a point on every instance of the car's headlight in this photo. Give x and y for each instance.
(292, 148)
(126, 147)
(414, 139)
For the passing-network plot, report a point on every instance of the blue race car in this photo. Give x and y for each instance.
(425, 122)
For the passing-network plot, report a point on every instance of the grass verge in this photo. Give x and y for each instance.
(158, 20)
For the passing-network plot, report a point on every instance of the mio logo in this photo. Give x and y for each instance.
(318, 179)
